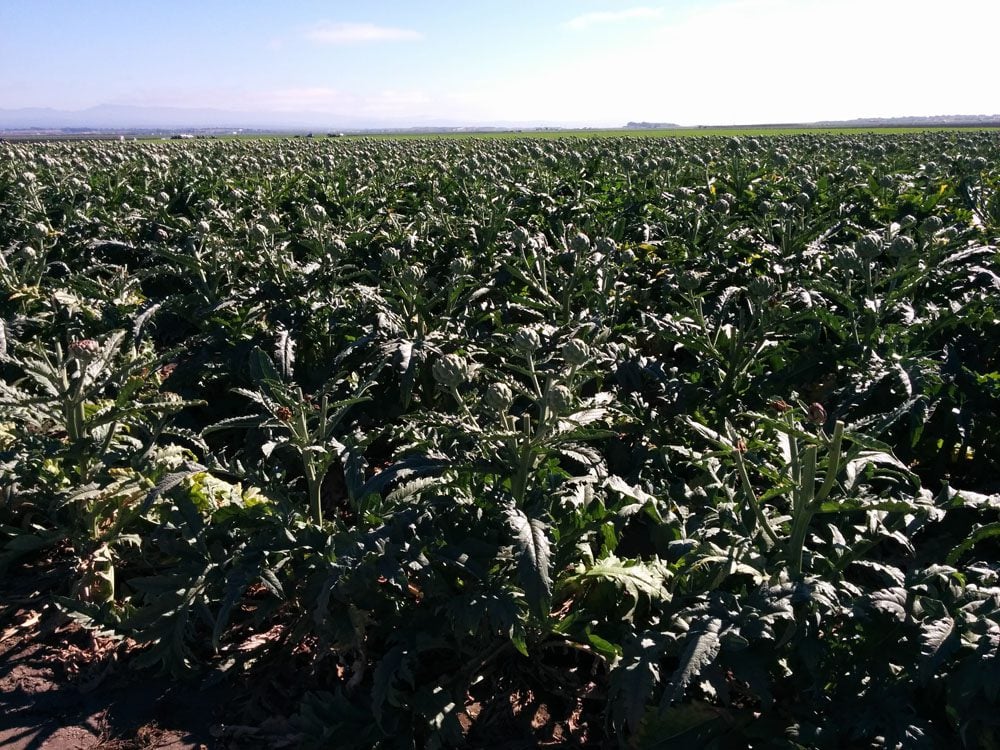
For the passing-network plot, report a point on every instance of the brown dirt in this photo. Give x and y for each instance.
(64, 688)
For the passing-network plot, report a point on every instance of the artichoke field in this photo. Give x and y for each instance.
(692, 441)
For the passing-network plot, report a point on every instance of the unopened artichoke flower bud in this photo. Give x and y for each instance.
(868, 247)
(452, 370)
(559, 398)
(978, 164)
(761, 287)
(700, 201)
(40, 230)
(784, 210)
(886, 181)
(316, 212)
(259, 233)
(527, 339)
(931, 225)
(908, 222)
(816, 413)
(576, 352)
(204, 227)
(391, 256)
(461, 266)
(689, 281)
(902, 247)
(520, 236)
(721, 207)
(779, 405)
(499, 397)
(606, 246)
(580, 243)
(84, 349)
(162, 198)
(414, 273)
(803, 200)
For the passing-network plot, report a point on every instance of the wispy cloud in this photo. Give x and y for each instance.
(601, 18)
(358, 33)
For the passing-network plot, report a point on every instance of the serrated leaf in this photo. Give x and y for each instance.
(284, 353)
(393, 668)
(691, 726)
(936, 641)
(703, 646)
(531, 546)
(169, 482)
(986, 531)
(142, 319)
(634, 678)
(634, 578)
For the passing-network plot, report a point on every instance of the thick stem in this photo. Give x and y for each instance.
(520, 484)
(762, 521)
(803, 510)
(314, 483)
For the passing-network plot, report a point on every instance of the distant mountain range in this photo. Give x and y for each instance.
(121, 118)
(862, 122)
(113, 117)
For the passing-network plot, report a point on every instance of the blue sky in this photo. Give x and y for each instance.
(573, 61)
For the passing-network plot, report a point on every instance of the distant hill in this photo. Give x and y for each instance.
(108, 118)
(651, 125)
(913, 122)
(862, 122)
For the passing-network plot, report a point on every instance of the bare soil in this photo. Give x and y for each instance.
(63, 687)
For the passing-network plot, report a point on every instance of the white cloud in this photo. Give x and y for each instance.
(602, 18)
(755, 61)
(356, 33)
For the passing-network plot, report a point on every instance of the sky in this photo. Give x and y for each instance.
(577, 62)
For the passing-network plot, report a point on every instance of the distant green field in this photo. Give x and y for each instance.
(668, 133)
(609, 133)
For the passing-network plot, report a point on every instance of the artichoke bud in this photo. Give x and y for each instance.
(689, 281)
(258, 232)
(931, 225)
(559, 398)
(391, 256)
(460, 266)
(520, 236)
(721, 206)
(452, 370)
(868, 247)
(414, 273)
(816, 413)
(580, 243)
(527, 340)
(84, 349)
(761, 287)
(576, 352)
(784, 211)
(606, 246)
(902, 247)
(499, 397)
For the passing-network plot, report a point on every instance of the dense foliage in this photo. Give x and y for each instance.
(692, 441)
